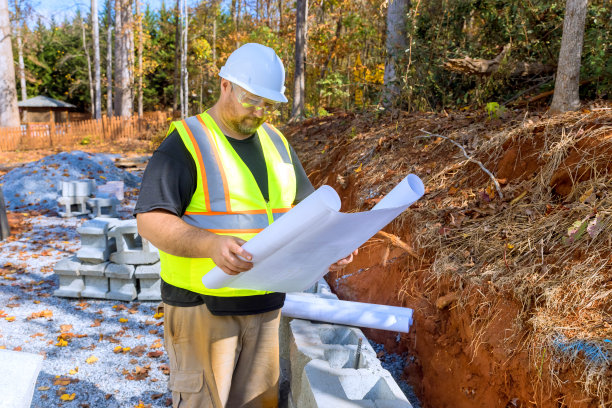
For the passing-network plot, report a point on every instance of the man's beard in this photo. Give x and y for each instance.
(241, 126)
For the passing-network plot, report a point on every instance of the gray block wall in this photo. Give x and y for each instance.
(326, 367)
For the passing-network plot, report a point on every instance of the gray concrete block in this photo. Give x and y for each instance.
(131, 247)
(70, 286)
(72, 206)
(95, 287)
(96, 246)
(78, 188)
(321, 388)
(148, 271)
(19, 373)
(67, 266)
(87, 269)
(120, 271)
(122, 289)
(392, 404)
(103, 207)
(150, 289)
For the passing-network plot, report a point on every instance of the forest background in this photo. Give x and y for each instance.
(345, 51)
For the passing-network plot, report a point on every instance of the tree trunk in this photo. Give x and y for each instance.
(109, 61)
(280, 16)
(9, 113)
(566, 96)
(184, 74)
(96, 43)
(91, 88)
(124, 50)
(140, 45)
(22, 80)
(396, 44)
(299, 78)
(177, 59)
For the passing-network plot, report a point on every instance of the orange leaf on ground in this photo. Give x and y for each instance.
(64, 328)
(45, 313)
(155, 354)
(10, 318)
(91, 359)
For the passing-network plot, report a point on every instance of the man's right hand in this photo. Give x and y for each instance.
(225, 252)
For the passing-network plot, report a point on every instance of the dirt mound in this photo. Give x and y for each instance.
(512, 295)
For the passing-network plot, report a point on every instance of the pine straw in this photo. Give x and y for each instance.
(565, 288)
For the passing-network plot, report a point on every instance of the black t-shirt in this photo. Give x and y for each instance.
(169, 183)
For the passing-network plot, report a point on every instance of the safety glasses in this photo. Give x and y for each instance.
(250, 101)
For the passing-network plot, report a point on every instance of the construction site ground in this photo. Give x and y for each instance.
(506, 260)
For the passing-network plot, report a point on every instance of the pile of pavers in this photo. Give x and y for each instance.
(114, 262)
(331, 365)
(77, 199)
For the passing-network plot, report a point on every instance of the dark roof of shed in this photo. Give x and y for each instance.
(44, 102)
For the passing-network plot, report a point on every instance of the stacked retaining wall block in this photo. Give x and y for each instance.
(74, 197)
(71, 282)
(103, 207)
(133, 271)
(327, 367)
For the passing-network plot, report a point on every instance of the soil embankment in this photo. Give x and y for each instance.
(511, 287)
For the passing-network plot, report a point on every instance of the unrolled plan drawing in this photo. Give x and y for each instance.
(295, 251)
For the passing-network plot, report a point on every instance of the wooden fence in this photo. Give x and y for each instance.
(49, 135)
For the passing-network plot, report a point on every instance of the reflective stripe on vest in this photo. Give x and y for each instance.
(228, 206)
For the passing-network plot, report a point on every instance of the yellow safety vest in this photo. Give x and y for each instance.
(227, 199)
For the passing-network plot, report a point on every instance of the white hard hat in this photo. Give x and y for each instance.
(257, 69)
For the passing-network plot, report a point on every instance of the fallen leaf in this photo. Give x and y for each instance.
(74, 371)
(67, 397)
(61, 343)
(10, 318)
(45, 388)
(155, 354)
(158, 315)
(91, 359)
(45, 313)
(64, 328)
(96, 323)
(123, 320)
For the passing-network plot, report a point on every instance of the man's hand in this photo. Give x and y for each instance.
(225, 250)
(343, 262)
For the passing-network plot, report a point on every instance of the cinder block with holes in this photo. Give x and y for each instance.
(103, 207)
(78, 188)
(328, 367)
(121, 281)
(96, 245)
(149, 281)
(72, 206)
(132, 249)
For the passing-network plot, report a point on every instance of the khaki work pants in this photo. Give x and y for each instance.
(222, 361)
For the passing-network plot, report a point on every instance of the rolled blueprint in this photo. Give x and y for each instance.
(295, 251)
(392, 318)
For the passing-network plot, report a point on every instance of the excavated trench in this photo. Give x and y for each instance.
(468, 346)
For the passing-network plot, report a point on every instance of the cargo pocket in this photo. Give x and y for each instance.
(188, 389)
(186, 381)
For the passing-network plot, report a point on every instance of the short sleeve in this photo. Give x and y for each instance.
(304, 186)
(169, 180)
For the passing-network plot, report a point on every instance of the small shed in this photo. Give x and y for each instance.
(44, 109)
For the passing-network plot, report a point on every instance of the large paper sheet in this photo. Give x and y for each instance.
(295, 251)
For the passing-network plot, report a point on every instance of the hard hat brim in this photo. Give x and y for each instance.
(255, 90)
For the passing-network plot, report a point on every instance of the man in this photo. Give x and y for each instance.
(216, 180)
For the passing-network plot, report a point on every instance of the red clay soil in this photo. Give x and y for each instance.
(456, 360)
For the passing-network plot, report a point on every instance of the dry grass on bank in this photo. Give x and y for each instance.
(553, 252)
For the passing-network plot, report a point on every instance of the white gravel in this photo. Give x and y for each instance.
(27, 283)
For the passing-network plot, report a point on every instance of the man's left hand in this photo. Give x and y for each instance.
(343, 262)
